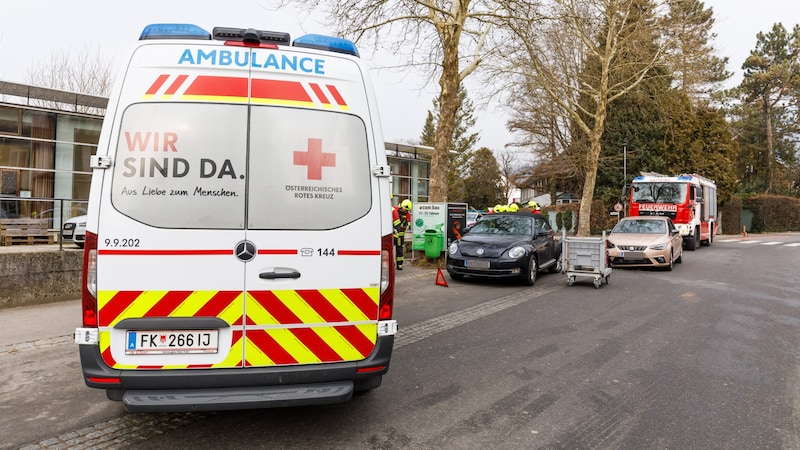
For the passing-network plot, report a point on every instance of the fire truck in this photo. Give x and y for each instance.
(690, 200)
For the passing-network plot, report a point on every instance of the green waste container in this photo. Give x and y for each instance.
(433, 243)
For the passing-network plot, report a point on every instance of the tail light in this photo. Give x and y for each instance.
(89, 281)
(387, 278)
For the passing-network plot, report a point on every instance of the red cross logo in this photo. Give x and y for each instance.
(315, 159)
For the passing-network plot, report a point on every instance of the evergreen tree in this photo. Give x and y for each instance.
(696, 69)
(772, 81)
(461, 145)
(428, 136)
(484, 182)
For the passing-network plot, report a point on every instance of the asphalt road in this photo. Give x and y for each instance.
(703, 357)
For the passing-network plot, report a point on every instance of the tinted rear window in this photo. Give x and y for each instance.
(188, 165)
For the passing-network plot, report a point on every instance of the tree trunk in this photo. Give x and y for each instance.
(770, 143)
(592, 158)
(448, 106)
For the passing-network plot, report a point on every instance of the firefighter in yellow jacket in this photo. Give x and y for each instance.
(401, 217)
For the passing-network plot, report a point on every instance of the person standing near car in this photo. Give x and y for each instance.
(401, 217)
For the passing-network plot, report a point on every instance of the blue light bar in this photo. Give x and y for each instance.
(329, 43)
(685, 177)
(639, 178)
(174, 31)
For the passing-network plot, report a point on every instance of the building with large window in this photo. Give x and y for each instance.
(46, 143)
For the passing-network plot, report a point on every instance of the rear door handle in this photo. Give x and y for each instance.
(279, 273)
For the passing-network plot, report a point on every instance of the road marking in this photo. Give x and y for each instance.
(796, 244)
(750, 242)
(772, 243)
(419, 331)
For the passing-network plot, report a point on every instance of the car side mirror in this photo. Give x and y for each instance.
(673, 231)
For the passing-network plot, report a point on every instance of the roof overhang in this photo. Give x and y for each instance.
(30, 93)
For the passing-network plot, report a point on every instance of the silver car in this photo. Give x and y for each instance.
(645, 241)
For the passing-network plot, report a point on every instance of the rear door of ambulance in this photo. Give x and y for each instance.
(242, 227)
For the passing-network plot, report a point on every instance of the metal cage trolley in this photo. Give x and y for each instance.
(586, 257)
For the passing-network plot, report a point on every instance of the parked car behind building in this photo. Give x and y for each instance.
(74, 230)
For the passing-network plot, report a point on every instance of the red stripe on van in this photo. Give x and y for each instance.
(271, 348)
(108, 358)
(358, 252)
(322, 306)
(116, 305)
(157, 84)
(336, 95)
(277, 251)
(279, 90)
(275, 307)
(132, 252)
(316, 344)
(218, 86)
(176, 84)
(357, 339)
(168, 303)
(364, 302)
(216, 304)
(321, 95)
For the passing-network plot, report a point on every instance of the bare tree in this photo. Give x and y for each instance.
(83, 71)
(444, 38)
(608, 43)
(507, 163)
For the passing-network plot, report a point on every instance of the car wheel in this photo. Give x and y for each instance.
(555, 268)
(533, 269)
(679, 259)
(671, 259)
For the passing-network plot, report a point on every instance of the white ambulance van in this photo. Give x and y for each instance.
(238, 248)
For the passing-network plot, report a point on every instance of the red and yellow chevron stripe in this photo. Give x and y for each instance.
(269, 327)
(235, 90)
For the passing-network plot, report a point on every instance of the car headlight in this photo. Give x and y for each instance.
(661, 246)
(453, 249)
(610, 244)
(516, 252)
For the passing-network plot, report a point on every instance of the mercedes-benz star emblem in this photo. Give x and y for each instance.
(245, 251)
(480, 252)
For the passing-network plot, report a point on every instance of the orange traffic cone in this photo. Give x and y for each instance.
(440, 281)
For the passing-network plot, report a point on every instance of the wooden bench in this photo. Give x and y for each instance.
(25, 231)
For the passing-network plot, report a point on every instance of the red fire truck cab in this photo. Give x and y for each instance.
(690, 200)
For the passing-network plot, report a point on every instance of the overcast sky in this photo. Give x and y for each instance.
(31, 30)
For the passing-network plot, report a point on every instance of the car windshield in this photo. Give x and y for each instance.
(656, 192)
(641, 227)
(503, 225)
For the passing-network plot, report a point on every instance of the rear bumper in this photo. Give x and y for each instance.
(237, 388)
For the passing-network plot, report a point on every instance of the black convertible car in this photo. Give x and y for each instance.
(515, 245)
